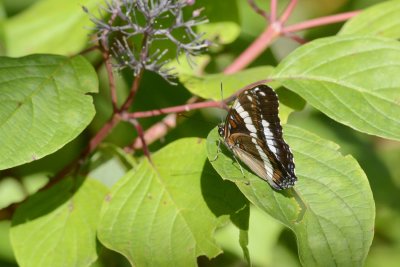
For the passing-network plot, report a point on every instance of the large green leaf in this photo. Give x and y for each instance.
(354, 80)
(331, 208)
(165, 214)
(380, 20)
(44, 105)
(49, 26)
(55, 228)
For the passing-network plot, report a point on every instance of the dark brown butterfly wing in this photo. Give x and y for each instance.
(253, 132)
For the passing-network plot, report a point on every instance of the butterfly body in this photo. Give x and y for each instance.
(252, 131)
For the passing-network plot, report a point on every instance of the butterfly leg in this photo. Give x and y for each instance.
(218, 151)
(240, 166)
(241, 169)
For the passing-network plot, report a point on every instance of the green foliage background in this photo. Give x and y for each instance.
(340, 97)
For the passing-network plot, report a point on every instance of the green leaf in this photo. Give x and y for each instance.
(165, 214)
(217, 11)
(208, 86)
(55, 228)
(331, 208)
(380, 20)
(61, 28)
(10, 191)
(220, 32)
(263, 237)
(353, 80)
(6, 251)
(44, 105)
(15, 190)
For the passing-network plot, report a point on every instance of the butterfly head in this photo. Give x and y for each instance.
(221, 130)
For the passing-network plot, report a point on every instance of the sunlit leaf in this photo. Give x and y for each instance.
(165, 214)
(352, 79)
(44, 105)
(55, 228)
(50, 26)
(380, 20)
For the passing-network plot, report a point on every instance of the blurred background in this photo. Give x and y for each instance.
(270, 244)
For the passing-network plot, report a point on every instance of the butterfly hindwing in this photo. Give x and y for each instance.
(262, 162)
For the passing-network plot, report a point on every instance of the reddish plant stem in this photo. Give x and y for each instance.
(273, 11)
(89, 49)
(132, 93)
(295, 37)
(176, 109)
(253, 51)
(139, 131)
(156, 131)
(319, 22)
(101, 134)
(288, 11)
(258, 10)
(275, 29)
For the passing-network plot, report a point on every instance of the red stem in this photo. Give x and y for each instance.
(258, 10)
(101, 134)
(139, 131)
(176, 109)
(319, 22)
(135, 86)
(253, 51)
(288, 11)
(273, 11)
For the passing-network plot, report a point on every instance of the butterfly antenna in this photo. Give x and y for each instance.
(240, 166)
(222, 99)
(222, 121)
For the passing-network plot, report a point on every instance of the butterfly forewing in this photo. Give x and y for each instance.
(253, 132)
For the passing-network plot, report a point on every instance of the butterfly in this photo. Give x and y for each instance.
(252, 131)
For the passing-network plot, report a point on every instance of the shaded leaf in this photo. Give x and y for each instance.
(6, 251)
(353, 80)
(44, 105)
(166, 215)
(331, 209)
(380, 20)
(262, 240)
(61, 28)
(58, 228)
